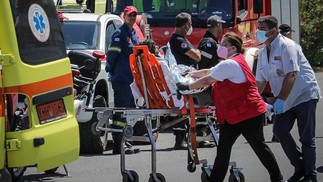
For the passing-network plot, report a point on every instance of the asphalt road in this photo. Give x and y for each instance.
(173, 164)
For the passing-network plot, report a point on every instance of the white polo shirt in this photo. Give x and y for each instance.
(228, 69)
(287, 56)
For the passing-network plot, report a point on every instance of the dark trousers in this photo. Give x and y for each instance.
(303, 159)
(252, 130)
(122, 98)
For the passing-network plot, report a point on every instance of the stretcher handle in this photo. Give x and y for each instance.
(138, 56)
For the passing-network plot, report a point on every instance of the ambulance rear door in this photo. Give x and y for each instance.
(37, 70)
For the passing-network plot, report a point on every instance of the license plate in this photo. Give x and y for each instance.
(51, 111)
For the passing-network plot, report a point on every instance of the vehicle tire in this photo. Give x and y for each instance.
(17, 172)
(232, 178)
(160, 177)
(51, 171)
(89, 142)
(126, 177)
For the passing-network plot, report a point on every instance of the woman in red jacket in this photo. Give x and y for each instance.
(239, 107)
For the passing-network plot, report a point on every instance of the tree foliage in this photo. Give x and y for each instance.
(311, 22)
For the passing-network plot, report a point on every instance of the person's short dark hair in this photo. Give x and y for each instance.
(181, 19)
(213, 20)
(269, 20)
(284, 28)
(151, 45)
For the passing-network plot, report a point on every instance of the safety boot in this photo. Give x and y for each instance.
(180, 143)
(128, 148)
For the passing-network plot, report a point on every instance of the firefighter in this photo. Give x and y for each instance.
(117, 65)
(185, 54)
(209, 58)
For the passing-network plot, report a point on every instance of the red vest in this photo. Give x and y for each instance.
(236, 102)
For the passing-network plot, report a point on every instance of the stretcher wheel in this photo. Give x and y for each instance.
(232, 177)
(127, 178)
(128, 131)
(93, 129)
(204, 177)
(191, 167)
(159, 176)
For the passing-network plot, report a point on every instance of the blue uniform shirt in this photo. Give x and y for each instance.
(121, 47)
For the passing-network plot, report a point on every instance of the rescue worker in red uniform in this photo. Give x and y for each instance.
(240, 109)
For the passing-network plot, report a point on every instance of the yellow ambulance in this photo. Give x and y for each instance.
(37, 121)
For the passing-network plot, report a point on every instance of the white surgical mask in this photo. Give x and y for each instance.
(261, 36)
(189, 32)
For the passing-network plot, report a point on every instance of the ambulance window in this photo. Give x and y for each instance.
(38, 31)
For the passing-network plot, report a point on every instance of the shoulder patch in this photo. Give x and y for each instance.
(184, 45)
(117, 39)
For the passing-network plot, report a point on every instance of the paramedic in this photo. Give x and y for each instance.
(117, 65)
(240, 109)
(185, 54)
(296, 93)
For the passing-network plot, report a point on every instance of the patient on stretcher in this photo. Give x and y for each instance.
(177, 73)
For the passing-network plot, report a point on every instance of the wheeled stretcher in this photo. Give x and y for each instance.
(160, 99)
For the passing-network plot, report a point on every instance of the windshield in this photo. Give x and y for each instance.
(162, 12)
(81, 35)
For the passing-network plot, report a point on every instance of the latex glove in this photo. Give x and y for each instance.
(279, 106)
(182, 86)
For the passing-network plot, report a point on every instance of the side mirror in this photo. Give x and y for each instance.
(258, 6)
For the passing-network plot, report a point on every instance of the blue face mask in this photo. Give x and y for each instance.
(261, 36)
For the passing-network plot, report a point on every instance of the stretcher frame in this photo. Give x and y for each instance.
(150, 80)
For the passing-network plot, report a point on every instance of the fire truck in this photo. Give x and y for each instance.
(158, 16)
(240, 15)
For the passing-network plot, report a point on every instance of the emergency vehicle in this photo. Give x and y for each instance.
(240, 16)
(37, 121)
